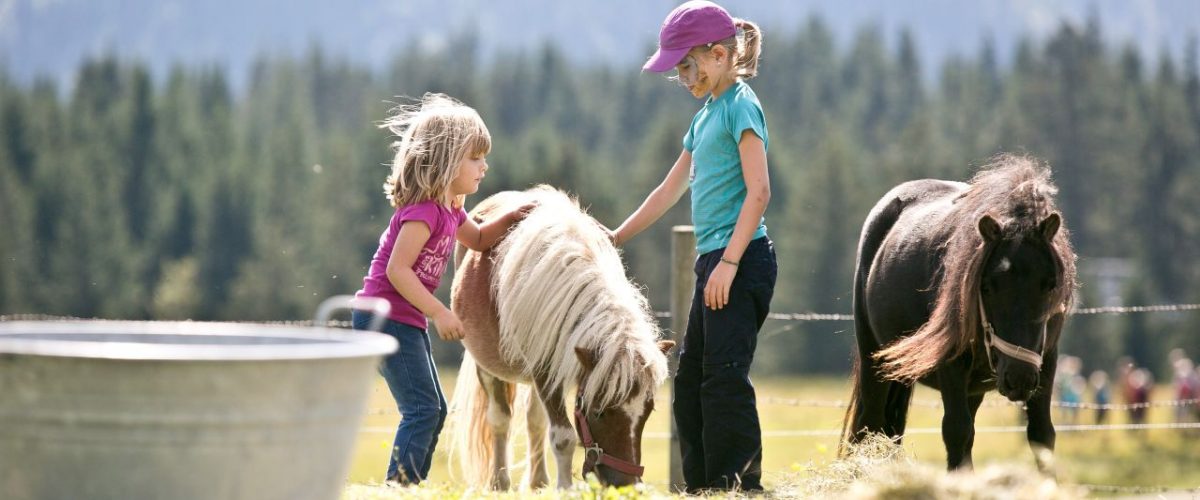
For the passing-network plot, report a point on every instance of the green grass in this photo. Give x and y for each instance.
(1124, 458)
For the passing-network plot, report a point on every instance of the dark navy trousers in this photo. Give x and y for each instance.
(715, 409)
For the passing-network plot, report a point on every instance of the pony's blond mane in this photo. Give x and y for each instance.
(558, 284)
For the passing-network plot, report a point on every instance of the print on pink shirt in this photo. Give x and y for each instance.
(432, 261)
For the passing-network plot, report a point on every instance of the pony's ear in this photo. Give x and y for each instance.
(1049, 226)
(989, 229)
(665, 346)
(586, 358)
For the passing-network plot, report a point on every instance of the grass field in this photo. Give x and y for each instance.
(1163, 458)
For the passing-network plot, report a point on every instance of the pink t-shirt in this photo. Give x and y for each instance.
(430, 264)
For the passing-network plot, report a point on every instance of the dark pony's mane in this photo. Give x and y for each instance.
(1017, 192)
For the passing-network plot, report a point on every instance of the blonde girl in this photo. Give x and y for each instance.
(440, 158)
(724, 163)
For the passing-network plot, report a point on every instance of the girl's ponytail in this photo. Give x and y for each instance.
(749, 49)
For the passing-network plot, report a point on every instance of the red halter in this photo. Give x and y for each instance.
(590, 446)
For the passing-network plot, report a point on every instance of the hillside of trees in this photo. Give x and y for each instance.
(127, 197)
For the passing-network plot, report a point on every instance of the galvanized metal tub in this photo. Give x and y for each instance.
(109, 409)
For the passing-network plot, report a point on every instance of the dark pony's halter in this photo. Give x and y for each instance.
(590, 446)
(990, 340)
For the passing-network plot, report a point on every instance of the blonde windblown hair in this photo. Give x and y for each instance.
(559, 283)
(436, 134)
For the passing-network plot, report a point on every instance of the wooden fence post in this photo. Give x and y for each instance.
(683, 282)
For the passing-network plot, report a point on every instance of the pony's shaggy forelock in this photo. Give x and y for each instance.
(1018, 193)
(559, 283)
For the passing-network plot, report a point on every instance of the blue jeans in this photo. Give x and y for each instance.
(413, 380)
(716, 412)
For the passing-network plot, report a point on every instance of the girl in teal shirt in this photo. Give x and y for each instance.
(724, 162)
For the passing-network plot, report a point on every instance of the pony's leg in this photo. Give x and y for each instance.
(537, 423)
(1040, 430)
(870, 399)
(499, 413)
(973, 401)
(562, 433)
(868, 411)
(896, 409)
(958, 426)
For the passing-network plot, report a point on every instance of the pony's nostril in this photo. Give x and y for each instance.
(1010, 380)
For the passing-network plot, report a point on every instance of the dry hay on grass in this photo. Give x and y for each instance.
(878, 468)
(590, 490)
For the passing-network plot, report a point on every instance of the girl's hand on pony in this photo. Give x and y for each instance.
(612, 235)
(520, 213)
(449, 327)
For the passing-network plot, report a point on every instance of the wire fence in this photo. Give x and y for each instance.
(840, 404)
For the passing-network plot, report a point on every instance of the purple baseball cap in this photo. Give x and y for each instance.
(693, 23)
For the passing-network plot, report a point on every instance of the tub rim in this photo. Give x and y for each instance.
(314, 342)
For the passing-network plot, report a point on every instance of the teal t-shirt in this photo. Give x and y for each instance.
(718, 189)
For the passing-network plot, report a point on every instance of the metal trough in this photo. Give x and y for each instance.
(130, 410)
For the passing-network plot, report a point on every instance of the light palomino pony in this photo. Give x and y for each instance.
(550, 306)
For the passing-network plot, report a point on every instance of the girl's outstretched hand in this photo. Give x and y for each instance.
(449, 327)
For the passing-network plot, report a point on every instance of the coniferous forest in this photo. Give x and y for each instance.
(132, 196)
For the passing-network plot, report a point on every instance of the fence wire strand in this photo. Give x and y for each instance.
(992, 403)
(807, 316)
(810, 316)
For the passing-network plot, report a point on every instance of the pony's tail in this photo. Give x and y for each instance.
(910, 358)
(470, 436)
(849, 421)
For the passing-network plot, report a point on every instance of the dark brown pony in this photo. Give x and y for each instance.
(963, 288)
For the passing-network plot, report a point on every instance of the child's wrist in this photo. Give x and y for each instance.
(731, 262)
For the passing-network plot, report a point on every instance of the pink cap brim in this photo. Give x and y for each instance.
(665, 60)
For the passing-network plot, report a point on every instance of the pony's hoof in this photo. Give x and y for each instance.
(537, 483)
(1044, 458)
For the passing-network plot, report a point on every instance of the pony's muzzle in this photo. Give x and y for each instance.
(612, 477)
(1017, 381)
(594, 463)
